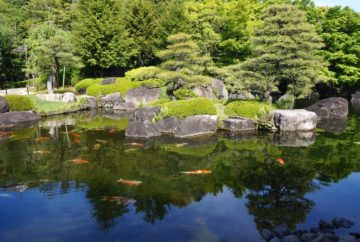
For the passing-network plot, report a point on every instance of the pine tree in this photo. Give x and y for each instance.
(285, 55)
(183, 63)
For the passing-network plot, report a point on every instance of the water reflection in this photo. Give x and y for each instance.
(273, 173)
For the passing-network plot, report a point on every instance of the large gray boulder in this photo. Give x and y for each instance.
(15, 120)
(4, 106)
(107, 81)
(111, 100)
(293, 120)
(220, 89)
(90, 102)
(206, 92)
(142, 129)
(237, 123)
(142, 95)
(169, 125)
(197, 125)
(69, 97)
(241, 96)
(142, 114)
(334, 108)
(355, 102)
(294, 139)
(124, 106)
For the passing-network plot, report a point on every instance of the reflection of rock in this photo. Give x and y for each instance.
(293, 120)
(111, 100)
(142, 95)
(168, 125)
(124, 106)
(294, 139)
(69, 97)
(142, 129)
(332, 125)
(355, 102)
(334, 107)
(107, 81)
(238, 124)
(204, 92)
(57, 121)
(4, 106)
(197, 125)
(239, 136)
(220, 89)
(14, 120)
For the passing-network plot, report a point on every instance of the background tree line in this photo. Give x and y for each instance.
(52, 39)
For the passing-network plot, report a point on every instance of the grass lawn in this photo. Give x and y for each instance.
(247, 109)
(43, 107)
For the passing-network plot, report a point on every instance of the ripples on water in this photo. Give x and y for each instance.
(71, 167)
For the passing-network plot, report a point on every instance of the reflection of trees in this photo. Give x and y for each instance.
(274, 192)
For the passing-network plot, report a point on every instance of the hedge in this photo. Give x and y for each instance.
(19, 103)
(247, 109)
(84, 84)
(122, 85)
(184, 108)
(183, 94)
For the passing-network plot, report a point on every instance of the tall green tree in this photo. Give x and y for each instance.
(50, 50)
(285, 57)
(100, 36)
(184, 65)
(142, 24)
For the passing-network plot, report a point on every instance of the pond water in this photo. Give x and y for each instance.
(77, 178)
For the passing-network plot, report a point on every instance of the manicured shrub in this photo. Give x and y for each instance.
(184, 108)
(183, 94)
(152, 83)
(122, 85)
(247, 109)
(84, 84)
(143, 73)
(286, 102)
(19, 103)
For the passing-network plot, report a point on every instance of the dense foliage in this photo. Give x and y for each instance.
(20, 103)
(274, 45)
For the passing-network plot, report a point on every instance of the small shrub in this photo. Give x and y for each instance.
(152, 83)
(20, 103)
(183, 94)
(263, 118)
(143, 73)
(184, 108)
(84, 84)
(247, 109)
(286, 102)
(122, 85)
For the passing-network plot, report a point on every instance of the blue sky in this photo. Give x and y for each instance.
(354, 4)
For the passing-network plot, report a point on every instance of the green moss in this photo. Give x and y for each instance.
(183, 94)
(159, 102)
(185, 108)
(84, 84)
(19, 103)
(103, 122)
(152, 83)
(43, 107)
(247, 109)
(122, 85)
(143, 73)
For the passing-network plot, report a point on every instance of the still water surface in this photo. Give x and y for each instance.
(60, 182)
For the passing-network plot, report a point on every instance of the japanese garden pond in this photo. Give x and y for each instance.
(77, 178)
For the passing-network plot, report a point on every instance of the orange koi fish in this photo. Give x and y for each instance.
(133, 183)
(181, 145)
(75, 135)
(197, 172)
(42, 138)
(79, 161)
(281, 161)
(6, 133)
(136, 144)
(118, 199)
(77, 141)
(101, 141)
(112, 131)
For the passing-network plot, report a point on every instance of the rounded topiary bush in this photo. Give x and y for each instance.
(143, 73)
(20, 103)
(247, 109)
(122, 85)
(184, 108)
(183, 94)
(84, 84)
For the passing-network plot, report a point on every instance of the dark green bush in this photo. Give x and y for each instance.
(184, 108)
(19, 103)
(183, 94)
(84, 84)
(247, 109)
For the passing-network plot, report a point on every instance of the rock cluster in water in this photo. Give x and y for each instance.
(325, 232)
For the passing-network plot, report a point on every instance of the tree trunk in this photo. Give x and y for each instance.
(49, 83)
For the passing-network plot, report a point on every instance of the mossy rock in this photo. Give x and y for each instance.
(247, 109)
